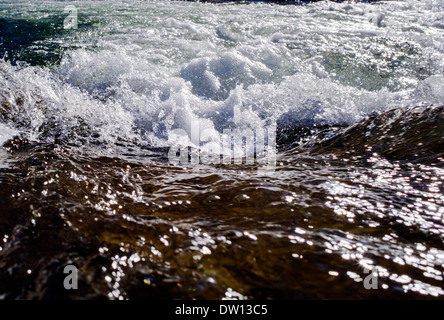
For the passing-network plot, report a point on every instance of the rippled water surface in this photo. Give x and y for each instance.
(87, 116)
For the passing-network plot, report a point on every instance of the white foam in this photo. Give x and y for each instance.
(6, 133)
(432, 88)
(167, 65)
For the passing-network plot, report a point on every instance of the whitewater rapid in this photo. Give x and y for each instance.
(139, 70)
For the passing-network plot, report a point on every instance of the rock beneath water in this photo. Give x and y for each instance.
(412, 133)
(18, 144)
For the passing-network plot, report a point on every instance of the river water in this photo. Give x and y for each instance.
(92, 94)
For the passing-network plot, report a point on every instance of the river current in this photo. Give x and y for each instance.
(93, 94)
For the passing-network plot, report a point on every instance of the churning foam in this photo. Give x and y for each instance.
(158, 67)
